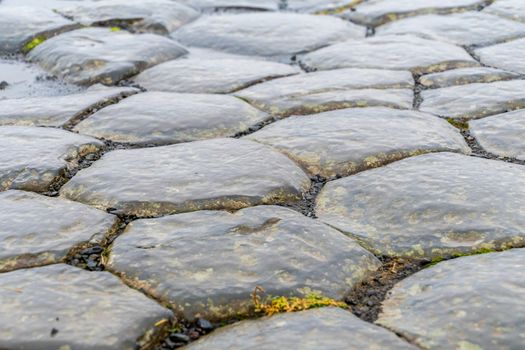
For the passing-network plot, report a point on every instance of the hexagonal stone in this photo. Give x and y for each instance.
(324, 328)
(207, 263)
(33, 158)
(404, 52)
(347, 141)
(513, 9)
(464, 76)
(211, 174)
(207, 5)
(267, 34)
(484, 291)
(502, 134)
(92, 55)
(474, 101)
(506, 56)
(63, 307)
(58, 110)
(323, 91)
(38, 230)
(469, 28)
(430, 206)
(20, 25)
(166, 117)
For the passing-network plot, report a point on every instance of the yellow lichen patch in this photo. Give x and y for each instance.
(115, 29)
(458, 123)
(33, 43)
(340, 8)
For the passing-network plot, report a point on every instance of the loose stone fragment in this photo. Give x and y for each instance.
(346, 141)
(404, 52)
(502, 134)
(506, 56)
(207, 263)
(33, 158)
(432, 307)
(267, 34)
(474, 101)
(38, 230)
(323, 91)
(464, 76)
(431, 206)
(212, 174)
(324, 328)
(63, 307)
(57, 110)
(165, 117)
(92, 55)
(207, 5)
(513, 9)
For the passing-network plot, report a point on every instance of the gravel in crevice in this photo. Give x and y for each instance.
(478, 151)
(306, 205)
(418, 87)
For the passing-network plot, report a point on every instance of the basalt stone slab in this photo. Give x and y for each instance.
(323, 91)
(506, 56)
(430, 206)
(212, 76)
(502, 134)
(93, 55)
(513, 9)
(405, 52)
(464, 76)
(166, 117)
(33, 158)
(347, 141)
(324, 328)
(20, 25)
(474, 101)
(206, 5)
(469, 28)
(207, 263)
(211, 174)
(58, 110)
(63, 307)
(161, 16)
(267, 33)
(38, 230)
(432, 307)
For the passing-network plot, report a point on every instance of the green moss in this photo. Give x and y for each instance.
(115, 29)
(33, 43)
(460, 124)
(459, 255)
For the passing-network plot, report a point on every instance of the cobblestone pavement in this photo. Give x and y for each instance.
(171, 168)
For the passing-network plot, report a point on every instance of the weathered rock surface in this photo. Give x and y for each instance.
(207, 5)
(166, 117)
(313, 6)
(483, 291)
(464, 76)
(405, 52)
(63, 307)
(323, 91)
(93, 55)
(267, 34)
(506, 56)
(346, 141)
(208, 263)
(211, 174)
(474, 101)
(430, 206)
(325, 328)
(513, 9)
(33, 159)
(38, 230)
(502, 134)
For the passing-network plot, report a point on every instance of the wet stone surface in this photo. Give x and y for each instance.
(506, 56)
(210, 5)
(513, 9)
(464, 76)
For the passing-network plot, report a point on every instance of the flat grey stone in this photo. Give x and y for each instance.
(207, 263)
(38, 230)
(206, 5)
(212, 76)
(473, 101)
(63, 307)
(93, 55)
(465, 29)
(324, 328)
(513, 9)
(314, 6)
(58, 110)
(211, 174)
(405, 52)
(502, 134)
(20, 25)
(33, 158)
(430, 206)
(485, 292)
(323, 91)
(267, 33)
(506, 56)
(464, 76)
(347, 141)
(167, 117)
